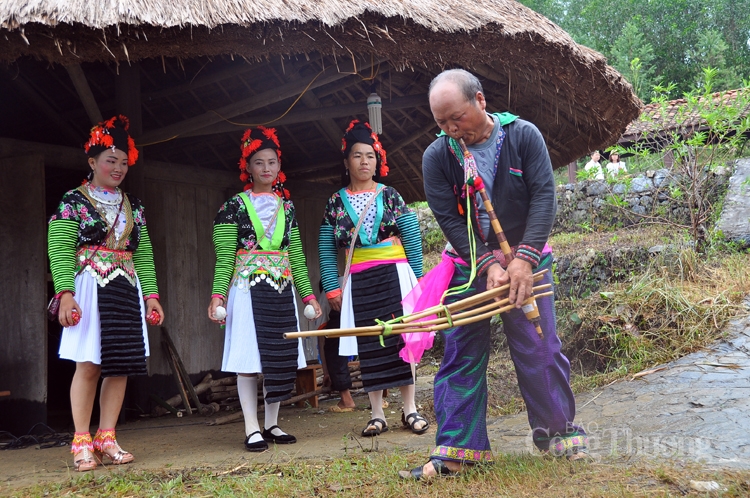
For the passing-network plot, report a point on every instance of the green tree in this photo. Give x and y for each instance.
(710, 52)
(633, 57)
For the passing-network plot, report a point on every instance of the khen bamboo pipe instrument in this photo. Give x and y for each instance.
(529, 306)
(408, 321)
(376, 330)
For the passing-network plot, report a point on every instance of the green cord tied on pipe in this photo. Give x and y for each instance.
(448, 316)
(387, 330)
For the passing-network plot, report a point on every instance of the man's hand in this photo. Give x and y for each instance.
(521, 281)
(495, 276)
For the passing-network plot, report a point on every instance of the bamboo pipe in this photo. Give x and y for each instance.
(530, 309)
(454, 307)
(466, 303)
(504, 246)
(378, 330)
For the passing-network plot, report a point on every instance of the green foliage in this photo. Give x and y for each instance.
(708, 130)
(633, 57)
(683, 36)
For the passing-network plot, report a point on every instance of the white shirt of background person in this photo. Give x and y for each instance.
(595, 165)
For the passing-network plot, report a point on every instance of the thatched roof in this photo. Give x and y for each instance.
(528, 65)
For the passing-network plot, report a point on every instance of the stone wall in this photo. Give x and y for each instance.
(595, 204)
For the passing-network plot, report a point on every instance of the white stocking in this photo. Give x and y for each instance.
(272, 416)
(247, 388)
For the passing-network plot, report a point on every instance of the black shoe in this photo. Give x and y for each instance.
(417, 474)
(256, 446)
(269, 436)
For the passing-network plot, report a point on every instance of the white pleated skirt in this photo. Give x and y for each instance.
(241, 353)
(82, 342)
(348, 345)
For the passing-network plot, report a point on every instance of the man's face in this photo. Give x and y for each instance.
(456, 116)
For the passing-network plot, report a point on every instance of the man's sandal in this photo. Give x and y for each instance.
(373, 429)
(411, 421)
(417, 474)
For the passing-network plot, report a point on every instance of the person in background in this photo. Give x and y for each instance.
(594, 167)
(615, 167)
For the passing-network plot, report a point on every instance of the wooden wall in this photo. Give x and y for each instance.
(23, 350)
(181, 202)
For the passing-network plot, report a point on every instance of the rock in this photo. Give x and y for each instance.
(596, 188)
(640, 184)
(619, 189)
(633, 201)
(646, 201)
(660, 176)
(639, 210)
(650, 173)
(656, 249)
(734, 223)
(704, 486)
(583, 205)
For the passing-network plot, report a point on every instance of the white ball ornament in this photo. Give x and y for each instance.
(309, 312)
(220, 313)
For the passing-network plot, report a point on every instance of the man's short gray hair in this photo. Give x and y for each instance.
(466, 82)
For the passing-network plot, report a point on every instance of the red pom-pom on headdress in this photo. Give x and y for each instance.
(112, 134)
(255, 140)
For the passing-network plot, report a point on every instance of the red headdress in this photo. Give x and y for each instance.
(112, 134)
(255, 140)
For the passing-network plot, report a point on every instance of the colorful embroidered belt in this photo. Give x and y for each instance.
(254, 267)
(389, 251)
(105, 264)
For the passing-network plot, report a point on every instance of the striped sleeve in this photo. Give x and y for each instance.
(329, 272)
(299, 265)
(62, 240)
(143, 261)
(411, 237)
(225, 243)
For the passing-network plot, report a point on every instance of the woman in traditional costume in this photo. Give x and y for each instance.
(258, 258)
(385, 261)
(102, 267)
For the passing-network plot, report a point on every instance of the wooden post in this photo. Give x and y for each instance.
(572, 167)
(128, 97)
(84, 92)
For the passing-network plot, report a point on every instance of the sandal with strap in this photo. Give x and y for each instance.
(105, 445)
(82, 445)
(418, 473)
(411, 421)
(375, 431)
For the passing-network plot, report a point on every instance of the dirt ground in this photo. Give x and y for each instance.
(187, 442)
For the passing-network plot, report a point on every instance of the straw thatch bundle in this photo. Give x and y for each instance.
(568, 90)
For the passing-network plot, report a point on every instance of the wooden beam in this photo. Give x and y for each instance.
(84, 93)
(322, 167)
(246, 105)
(317, 114)
(44, 107)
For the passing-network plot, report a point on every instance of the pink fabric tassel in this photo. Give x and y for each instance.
(426, 294)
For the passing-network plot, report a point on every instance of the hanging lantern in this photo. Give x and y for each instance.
(374, 106)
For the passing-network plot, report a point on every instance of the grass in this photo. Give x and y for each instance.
(375, 475)
(678, 305)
